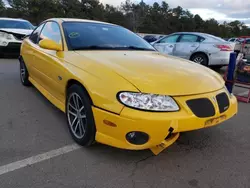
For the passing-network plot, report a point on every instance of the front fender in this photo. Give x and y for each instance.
(102, 89)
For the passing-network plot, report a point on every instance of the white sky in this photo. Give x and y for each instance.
(221, 10)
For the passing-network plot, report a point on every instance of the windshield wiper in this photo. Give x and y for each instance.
(94, 47)
(136, 48)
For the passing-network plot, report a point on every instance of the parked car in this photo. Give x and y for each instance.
(12, 32)
(243, 46)
(201, 48)
(152, 38)
(116, 89)
(234, 40)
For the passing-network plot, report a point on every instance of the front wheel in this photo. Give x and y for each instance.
(24, 75)
(80, 116)
(200, 59)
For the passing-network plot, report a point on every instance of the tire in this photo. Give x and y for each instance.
(79, 116)
(24, 75)
(200, 58)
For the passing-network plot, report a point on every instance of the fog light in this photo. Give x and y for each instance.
(137, 138)
(5, 43)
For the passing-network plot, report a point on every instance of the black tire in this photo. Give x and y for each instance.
(24, 75)
(200, 58)
(88, 123)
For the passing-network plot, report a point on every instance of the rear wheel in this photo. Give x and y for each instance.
(200, 58)
(80, 116)
(24, 75)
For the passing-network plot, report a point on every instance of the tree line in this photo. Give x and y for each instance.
(158, 18)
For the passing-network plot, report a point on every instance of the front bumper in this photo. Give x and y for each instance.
(13, 48)
(156, 125)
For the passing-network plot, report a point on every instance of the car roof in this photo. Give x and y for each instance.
(77, 20)
(15, 19)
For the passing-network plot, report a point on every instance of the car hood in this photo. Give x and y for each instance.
(17, 31)
(151, 72)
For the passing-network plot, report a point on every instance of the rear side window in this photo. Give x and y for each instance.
(170, 39)
(189, 38)
(34, 36)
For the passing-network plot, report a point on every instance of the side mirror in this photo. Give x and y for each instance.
(50, 45)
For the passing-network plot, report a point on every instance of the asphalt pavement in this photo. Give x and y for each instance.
(36, 150)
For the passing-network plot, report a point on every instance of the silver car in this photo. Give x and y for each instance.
(201, 48)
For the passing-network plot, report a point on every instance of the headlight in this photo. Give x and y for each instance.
(6, 35)
(148, 102)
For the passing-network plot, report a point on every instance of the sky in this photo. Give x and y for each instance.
(221, 10)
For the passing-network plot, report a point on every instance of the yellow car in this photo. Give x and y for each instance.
(116, 89)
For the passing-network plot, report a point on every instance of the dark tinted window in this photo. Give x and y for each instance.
(35, 34)
(51, 31)
(94, 36)
(15, 24)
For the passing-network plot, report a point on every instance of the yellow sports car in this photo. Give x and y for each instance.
(116, 89)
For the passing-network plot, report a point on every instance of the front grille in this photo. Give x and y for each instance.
(223, 102)
(201, 107)
(18, 36)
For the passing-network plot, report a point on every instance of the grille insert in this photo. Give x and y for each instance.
(201, 107)
(223, 102)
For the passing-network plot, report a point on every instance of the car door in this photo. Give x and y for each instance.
(187, 45)
(167, 44)
(49, 63)
(28, 48)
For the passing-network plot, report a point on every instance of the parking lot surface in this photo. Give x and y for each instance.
(36, 150)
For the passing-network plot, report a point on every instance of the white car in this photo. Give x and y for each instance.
(12, 32)
(201, 48)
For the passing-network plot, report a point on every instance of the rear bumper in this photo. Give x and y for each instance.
(156, 125)
(220, 58)
(11, 49)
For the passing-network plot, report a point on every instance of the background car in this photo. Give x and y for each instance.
(201, 48)
(234, 40)
(152, 38)
(12, 32)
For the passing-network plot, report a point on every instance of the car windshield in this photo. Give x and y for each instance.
(15, 24)
(96, 36)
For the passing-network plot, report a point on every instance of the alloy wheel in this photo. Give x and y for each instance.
(76, 115)
(198, 60)
(22, 71)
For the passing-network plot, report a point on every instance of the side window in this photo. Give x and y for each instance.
(51, 31)
(201, 39)
(34, 36)
(170, 39)
(189, 38)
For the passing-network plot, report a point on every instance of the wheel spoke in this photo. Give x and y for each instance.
(74, 108)
(83, 116)
(77, 125)
(73, 122)
(80, 110)
(82, 126)
(72, 113)
(75, 101)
